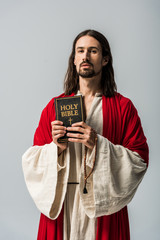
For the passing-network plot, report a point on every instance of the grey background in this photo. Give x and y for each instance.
(35, 43)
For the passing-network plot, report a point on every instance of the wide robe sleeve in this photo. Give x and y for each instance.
(119, 168)
(45, 173)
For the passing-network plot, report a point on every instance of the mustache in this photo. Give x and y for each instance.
(86, 61)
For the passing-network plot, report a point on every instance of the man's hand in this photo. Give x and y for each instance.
(58, 130)
(86, 136)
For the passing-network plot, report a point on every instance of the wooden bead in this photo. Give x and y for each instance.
(85, 170)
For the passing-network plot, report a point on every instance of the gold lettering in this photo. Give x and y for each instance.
(75, 112)
(68, 107)
(63, 108)
(75, 105)
(69, 113)
(63, 114)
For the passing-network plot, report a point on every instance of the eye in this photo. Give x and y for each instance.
(80, 50)
(94, 51)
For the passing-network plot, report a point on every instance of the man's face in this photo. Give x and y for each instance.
(88, 57)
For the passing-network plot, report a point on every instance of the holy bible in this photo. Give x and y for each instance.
(69, 110)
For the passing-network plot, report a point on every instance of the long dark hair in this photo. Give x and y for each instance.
(108, 85)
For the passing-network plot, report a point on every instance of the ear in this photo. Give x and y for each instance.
(105, 61)
(74, 62)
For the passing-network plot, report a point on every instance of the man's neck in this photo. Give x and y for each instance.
(89, 86)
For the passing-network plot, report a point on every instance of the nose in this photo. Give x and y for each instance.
(86, 55)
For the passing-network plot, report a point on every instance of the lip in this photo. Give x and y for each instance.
(86, 65)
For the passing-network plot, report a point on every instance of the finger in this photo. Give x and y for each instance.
(82, 124)
(78, 140)
(76, 135)
(55, 132)
(58, 127)
(56, 122)
(76, 129)
(55, 138)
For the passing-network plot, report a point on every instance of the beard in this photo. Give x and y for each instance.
(86, 73)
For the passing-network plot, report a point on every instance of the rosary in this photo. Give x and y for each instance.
(85, 170)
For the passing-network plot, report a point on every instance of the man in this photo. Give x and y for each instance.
(82, 187)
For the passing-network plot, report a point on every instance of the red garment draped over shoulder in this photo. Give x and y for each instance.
(121, 125)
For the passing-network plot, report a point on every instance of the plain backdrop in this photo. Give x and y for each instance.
(35, 43)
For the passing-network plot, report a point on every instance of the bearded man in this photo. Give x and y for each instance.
(111, 139)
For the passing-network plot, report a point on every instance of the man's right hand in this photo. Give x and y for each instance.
(58, 130)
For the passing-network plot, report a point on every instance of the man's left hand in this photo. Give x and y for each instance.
(86, 135)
